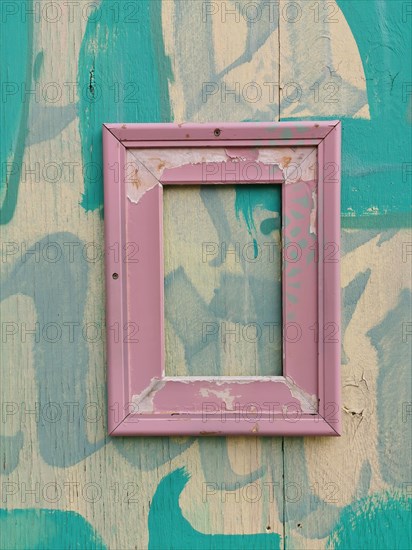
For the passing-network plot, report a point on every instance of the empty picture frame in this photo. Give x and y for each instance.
(139, 160)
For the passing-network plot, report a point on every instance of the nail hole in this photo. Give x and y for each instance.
(217, 132)
(268, 528)
(115, 275)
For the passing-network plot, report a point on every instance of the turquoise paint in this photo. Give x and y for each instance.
(10, 447)
(386, 236)
(305, 512)
(253, 285)
(41, 529)
(123, 76)
(149, 453)
(296, 214)
(60, 363)
(249, 197)
(292, 298)
(380, 521)
(392, 341)
(353, 239)
(269, 224)
(16, 45)
(47, 122)
(217, 467)
(252, 308)
(304, 201)
(351, 295)
(381, 146)
(38, 65)
(225, 305)
(168, 527)
(376, 152)
(213, 451)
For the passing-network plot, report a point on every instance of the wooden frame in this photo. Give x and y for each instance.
(141, 399)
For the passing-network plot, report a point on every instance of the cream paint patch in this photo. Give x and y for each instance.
(223, 91)
(231, 44)
(185, 249)
(329, 85)
(176, 85)
(250, 87)
(235, 353)
(313, 214)
(360, 375)
(225, 395)
(238, 83)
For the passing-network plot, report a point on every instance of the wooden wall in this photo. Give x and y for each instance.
(67, 68)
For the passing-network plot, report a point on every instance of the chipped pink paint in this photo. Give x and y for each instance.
(141, 399)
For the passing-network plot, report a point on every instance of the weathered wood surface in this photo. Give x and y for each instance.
(64, 483)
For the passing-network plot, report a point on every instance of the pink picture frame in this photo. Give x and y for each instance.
(305, 400)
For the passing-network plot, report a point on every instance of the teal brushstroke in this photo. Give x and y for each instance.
(392, 341)
(42, 529)
(47, 121)
(386, 236)
(38, 65)
(185, 307)
(304, 201)
(249, 197)
(226, 305)
(10, 448)
(268, 225)
(16, 45)
(127, 55)
(168, 528)
(297, 214)
(351, 295)
(380, 521)
(311, 516)
(379, 148)
(353, 239)
(149, 453)
(61, 364)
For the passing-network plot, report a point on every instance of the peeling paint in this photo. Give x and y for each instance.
(296, 164)
(313, 213)
(139, 180)
(225, 396)
(144, 400)
(309, 403)
(241, 153)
